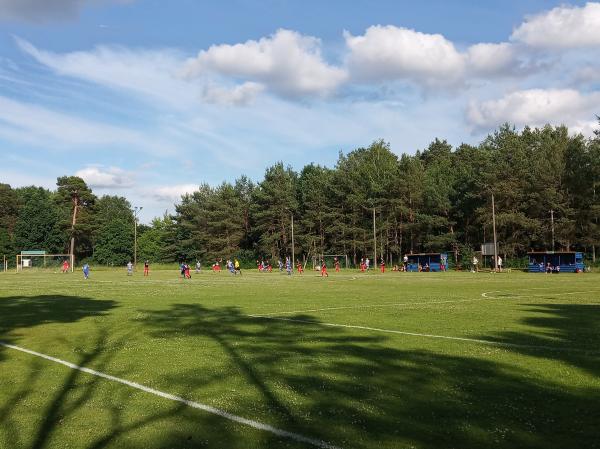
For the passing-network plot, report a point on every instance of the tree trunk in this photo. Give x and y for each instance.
(73, 223)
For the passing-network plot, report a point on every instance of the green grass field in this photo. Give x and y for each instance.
(401, 360)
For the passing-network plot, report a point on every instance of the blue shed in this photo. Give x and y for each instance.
(567, 262)
(428, 262)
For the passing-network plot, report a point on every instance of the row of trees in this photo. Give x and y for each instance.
(34, 218)
(436, 200)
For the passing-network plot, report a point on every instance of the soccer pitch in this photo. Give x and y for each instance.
(400, 360)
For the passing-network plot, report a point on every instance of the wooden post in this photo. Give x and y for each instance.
(495, 241)
(552, 221)
(374, 242)
(293, 252)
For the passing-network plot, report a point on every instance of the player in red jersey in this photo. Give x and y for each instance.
(324, 269)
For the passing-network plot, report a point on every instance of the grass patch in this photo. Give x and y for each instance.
(525, 371)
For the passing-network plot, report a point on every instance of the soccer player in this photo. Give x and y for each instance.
(336, 263)
(129, 268)
(382, 265)
(86, 271)
(362, 264)
(288, 265)
(146, 268)
(198, 267)
(299, 267)
(187, 271)
(324, 269)
(236, 267)
(65, 267)
(405, 262)
(280, 263)
(367, 264)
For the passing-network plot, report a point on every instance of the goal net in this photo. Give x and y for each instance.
(39, 260)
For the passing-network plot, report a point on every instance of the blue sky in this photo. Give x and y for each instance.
(148, 99)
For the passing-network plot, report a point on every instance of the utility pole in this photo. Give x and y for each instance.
(495, 241)
(293, 253)
(136, 211)
(552, 221)
(374, 242)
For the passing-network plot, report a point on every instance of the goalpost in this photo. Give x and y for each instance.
(29, 260)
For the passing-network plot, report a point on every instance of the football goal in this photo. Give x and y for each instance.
(37, 260)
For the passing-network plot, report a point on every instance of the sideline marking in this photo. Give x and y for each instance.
(416, 334)
(197, 405)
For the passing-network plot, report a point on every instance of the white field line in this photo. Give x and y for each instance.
(367, 306)
(416, 334)
(527, 295)
(171, 397)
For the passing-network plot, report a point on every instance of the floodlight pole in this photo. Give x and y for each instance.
(374, 242)
(552, 220)
(136, 211)
(495, 241)
(293, 253)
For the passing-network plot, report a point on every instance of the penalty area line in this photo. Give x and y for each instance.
(197, 405)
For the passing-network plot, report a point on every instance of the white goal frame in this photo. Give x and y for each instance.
(20, 258)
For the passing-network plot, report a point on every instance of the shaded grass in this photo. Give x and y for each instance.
(351, 387)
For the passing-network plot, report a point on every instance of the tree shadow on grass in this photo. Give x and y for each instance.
(18, 312)
(21, 312)
(351, 388)
(357, 390)
(571, 332)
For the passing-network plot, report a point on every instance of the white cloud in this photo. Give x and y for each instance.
(487, 58)
(42, 127)
(389, 52)
(172, 193)
(240, 95)
(45, 10)
(286, 62)
(106, 178)
(562, 28)
(153, 74)
(535, 107)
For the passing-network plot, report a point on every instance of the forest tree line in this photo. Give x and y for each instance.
(438, 199)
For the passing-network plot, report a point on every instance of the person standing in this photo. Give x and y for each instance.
(336, 262)
(129, 268)
(146, 268)
(405, 262)
(367, 264)
(86, 271)
(324, 269)
(499, 264)
(382, 265)
(475, 264)
(236, 266)
(65, 266)
(198, 267)
(288, 265)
